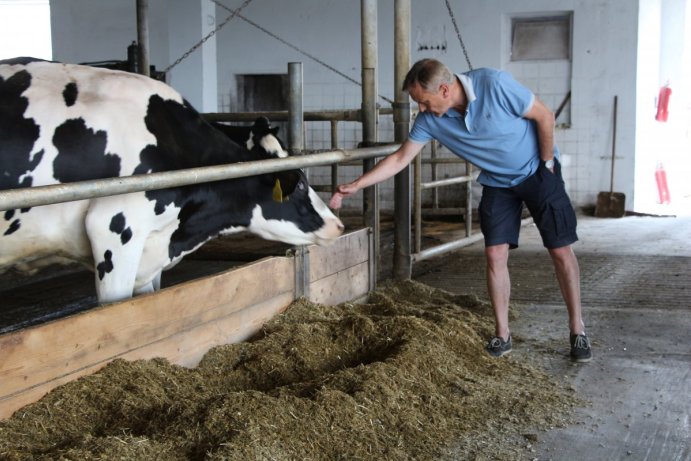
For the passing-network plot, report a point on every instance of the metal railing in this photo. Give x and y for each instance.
(57, 193)
(418, 253)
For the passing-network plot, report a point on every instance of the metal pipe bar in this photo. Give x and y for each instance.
(469, 200)
(296, 124)
(433, 160)
(445, 182)
(143, 36)
(334, 145)
(368, 44)
(11, 199)
(347, 115)
(446, 247)
(368, 34)
(454, 245)
(402, 263)
(370, 196)
(417, 204)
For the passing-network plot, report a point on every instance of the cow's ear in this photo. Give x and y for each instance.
(261, 124)
(277, 193)
(274, 131)
(284, 185)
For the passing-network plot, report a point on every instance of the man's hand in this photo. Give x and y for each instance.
(342, 191)
(336, 201)
(385, 169)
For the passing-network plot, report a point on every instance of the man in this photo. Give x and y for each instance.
(489, 119)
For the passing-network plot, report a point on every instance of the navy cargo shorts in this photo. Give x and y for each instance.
(545, 197)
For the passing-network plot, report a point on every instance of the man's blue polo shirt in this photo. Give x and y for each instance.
(493, 135)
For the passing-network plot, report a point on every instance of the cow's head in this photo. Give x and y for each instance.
(264, 140)
(290, 210)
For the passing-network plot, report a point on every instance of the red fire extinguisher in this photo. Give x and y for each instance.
(661, 180)
(663, 104)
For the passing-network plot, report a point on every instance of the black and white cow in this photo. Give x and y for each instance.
(61, 123)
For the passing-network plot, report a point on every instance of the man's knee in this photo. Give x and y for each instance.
(497, 254)
(562, 254)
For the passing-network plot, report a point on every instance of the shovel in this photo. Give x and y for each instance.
(611, 204)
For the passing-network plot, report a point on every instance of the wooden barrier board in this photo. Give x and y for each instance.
(180, 323)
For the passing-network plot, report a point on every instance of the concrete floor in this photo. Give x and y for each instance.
(635, 277)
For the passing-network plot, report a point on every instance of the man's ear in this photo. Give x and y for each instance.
(444, 88)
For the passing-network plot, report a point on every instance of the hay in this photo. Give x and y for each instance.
(403, 376)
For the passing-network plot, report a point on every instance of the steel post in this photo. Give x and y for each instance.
(296, 128)
(402, 264)
(143, 35)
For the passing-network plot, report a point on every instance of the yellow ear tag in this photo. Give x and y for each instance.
(278, 192)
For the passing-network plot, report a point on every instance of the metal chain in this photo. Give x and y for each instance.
(208, 36)
(458, 32)
(304, 53)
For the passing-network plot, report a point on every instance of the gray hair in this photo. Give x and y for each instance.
(429, 74)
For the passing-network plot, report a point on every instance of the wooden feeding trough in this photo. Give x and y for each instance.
(180, 323)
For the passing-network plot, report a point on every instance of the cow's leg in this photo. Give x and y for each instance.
(145, 289)
(150, 287)
(117, 245)
(157, 281)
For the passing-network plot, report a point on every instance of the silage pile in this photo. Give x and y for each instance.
(401, 377)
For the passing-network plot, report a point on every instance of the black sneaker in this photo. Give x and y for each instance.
(580, 348)
(497, 347)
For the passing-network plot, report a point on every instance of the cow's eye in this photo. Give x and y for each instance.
(301, 185)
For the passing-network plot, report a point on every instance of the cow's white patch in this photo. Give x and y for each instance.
(47, 232)
(274, 229)
(109, 101)
(289, 232)
(319, 205)
(271, 145)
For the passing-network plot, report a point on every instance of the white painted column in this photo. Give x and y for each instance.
(196, 76)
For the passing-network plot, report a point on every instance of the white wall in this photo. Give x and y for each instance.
(101, 30)
(664, 48)
(604, 33)
(605, 47)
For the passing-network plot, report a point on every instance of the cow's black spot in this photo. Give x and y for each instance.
(82, 153)
(70, 94)
(117, 226)
(106, 265)
(126, 235)
(117, 223)
(17, 133)
(28, 179)
(13, 227)
(9, 214)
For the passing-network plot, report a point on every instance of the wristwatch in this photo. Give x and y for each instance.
(549, 164)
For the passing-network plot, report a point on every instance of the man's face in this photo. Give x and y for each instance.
(436, 102)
